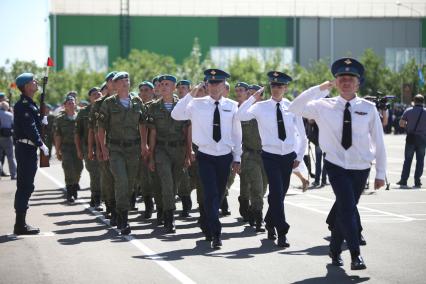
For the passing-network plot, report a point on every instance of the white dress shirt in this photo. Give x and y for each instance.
(265, 112)
(367, 131)
(201, 111)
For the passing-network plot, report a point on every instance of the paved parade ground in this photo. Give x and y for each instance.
(77, 245)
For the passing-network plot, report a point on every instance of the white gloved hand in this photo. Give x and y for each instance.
(44, 120)
(44, 149)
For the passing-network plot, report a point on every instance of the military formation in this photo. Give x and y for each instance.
(170, 138)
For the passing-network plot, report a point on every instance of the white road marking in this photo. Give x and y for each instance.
(41, 235)
(180, 276)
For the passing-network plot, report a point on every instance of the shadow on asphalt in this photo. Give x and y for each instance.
(109, 234)
(334, 275)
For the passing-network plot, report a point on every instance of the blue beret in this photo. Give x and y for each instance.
(23, 79)
(279, 77)
(167, 77)
(110, 75)
(2, 95)
(155, 79)
(347, 66)
(93, 90)
(120, 75)
(183, 83)
(216, 75)
(255, 87)
(103, 86)
(146, 83)
(242, 84)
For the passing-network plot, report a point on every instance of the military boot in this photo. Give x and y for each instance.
(259, 221)
(271, 232)
(225, 207)
(70, 197)
(97, 202)
(22, 228)
(107, 210)
(251, 217)
(282, 239)
(133, 202)
(244, 206)
(149, 207)
(160, 217)
(123, 222)
(169, 222)
(186, 206)
(76, 188)
(357, 262)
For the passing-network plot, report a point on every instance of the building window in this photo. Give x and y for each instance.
(90, 57)
(396, 58)
(223, 56)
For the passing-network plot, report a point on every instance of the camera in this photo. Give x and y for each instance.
(382, 102)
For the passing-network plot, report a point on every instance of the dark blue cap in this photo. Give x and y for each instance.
(94, 89)
(183, 83)
(216, 75)
(120, 75)
(242, 84)
(110, 75)
(23, 79)
(347, 66)
(255, 87)
(147, 84)
(167, 77)
(279, 77)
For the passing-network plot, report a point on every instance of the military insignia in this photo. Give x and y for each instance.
(24, 101)
(348, 61)
(213, 72)
(276, 74)
(26, 114)
(347, 69)
(275, 79)
(361, 113)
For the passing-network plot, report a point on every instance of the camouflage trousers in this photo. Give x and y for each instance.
(71, 164)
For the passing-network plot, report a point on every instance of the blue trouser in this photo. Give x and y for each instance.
(26, 159)
(347, 187)
(410, 149)
(318, 166)
(278, 169)
(214, 173)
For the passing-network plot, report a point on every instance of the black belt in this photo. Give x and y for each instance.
(124, 143)
(170, 143)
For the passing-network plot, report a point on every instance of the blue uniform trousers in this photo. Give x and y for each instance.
(419, 149)
(214, 173)
(278, 169)
(26, 159)
(347, 187)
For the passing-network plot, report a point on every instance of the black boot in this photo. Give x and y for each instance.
(70, 197)
(133, 202)
(169, 222)
(107, 211)
(244, 207)
(160, 217)
(271, 232)
(258, 219)
(22, 228)
(251, 217)
(186, 206)
(336, 258)
(123, 222)
(225, 207)
(149, 207)
(97, 202)
(113, 220)
(282, 240)
(76, 188)
(216, 242)
(357, 261)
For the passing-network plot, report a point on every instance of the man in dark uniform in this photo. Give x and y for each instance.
(27, 127)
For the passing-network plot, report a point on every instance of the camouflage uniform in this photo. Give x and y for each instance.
(92, 166)
(72, 165)
(253, 182)
(169, 155)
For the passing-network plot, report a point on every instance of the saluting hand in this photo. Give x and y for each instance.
(327, 85)
(378, 183)
(258, 94)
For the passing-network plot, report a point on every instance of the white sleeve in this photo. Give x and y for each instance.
(237, 136)
(377, 137)
(182, 110)
(303, 141)
(304, 104)
(243, 113)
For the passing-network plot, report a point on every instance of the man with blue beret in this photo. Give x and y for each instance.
(156, 83)
(217, 132)
(2, 97)
(283, 146)
(183, 87)
(27, 128)
(351, 135)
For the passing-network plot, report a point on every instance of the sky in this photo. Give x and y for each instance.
(24, 34)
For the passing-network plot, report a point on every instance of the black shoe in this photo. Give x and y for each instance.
(244, 207)
(258, 221)
(75, 188)
(149, 207)
(282, 241)
(336, 258)
(362, 241)
(70, 196)
(160, 217)
(133, 202)
(124, 226)
(225, 207)
(216, 243)
(315, 184)
(417, 185)
(22, 228)
(3, 174)
(169, 222)
(208, 238)
(186, 206)
(271, 233)
(357, 263)
(113, 220)
(324, 184)
(402, 184)
(97, 203)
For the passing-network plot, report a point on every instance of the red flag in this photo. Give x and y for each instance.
(50, 62)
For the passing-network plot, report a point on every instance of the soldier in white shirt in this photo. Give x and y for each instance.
(217, 133)
(281, 152)
(351, 136)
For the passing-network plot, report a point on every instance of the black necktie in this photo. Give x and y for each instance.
(347, 128)
(216, 124)
(280, 122)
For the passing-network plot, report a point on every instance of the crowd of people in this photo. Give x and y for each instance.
(156, 145)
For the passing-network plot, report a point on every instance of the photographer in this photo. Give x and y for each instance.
(6, 141)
